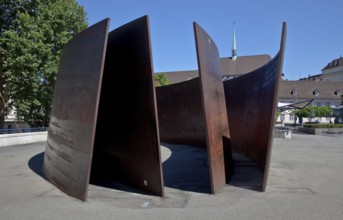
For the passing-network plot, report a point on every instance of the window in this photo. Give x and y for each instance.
(318, 104)
(282, 117)
(338, 92)
(291, 117)
(294, 92)
(327, 104)
(316, 92)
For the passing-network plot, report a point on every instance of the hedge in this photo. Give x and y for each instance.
(323, 125)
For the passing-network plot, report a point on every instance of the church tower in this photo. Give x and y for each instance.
(234, 51)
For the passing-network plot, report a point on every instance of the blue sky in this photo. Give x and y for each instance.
(314, 29)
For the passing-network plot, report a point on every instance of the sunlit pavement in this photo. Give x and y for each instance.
(305, 182)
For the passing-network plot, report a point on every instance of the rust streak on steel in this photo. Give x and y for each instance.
(251, 101)
(127, 144)
(213, 101)
(68, 155)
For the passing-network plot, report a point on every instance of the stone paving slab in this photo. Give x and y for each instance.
(306, 182)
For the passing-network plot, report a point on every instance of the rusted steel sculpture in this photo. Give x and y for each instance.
(193, 112)
(127, 141)
(99, 127)
(251, 102)
(68, 154)
(125, 137)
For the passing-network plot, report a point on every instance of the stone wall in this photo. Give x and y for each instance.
(22, 138)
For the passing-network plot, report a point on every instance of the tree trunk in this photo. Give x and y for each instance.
(2, 121)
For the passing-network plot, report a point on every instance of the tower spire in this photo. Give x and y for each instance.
(234, 51)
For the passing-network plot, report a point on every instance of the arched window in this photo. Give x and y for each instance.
(316, 92)
(338, 92)
(294, 92)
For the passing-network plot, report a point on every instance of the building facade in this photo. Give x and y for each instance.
(333, 71)
(325, 89)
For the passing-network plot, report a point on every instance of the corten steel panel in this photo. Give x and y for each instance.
(68, 154)
(251, 102)
(213, 101)
(180, 113)
(193, 112)
(275, 104)
(127, 142)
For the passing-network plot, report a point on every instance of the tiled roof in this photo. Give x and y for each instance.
(303, 89)
(316, 77)
(180, 76)
(243, 64)
(335, 63)
(240, 66)
(309, 89)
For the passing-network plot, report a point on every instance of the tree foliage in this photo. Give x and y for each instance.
(314, 111)
(31, 41)
(161, 79)
(9, 11)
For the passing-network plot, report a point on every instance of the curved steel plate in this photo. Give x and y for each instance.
(213, 100)
(193, 112)
(127, 142)
(251, 101)
(180, 113)
(68, 155)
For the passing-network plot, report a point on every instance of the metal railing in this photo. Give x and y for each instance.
(22, 130)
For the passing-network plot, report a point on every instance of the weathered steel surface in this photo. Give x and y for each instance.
(180, 113)
(213, 100)
(68, 154)
(251, 102)
(275, 101)
(193, 112)
(127, 142)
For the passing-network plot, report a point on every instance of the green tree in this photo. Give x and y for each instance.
(161, 79)
(9, 11)
(313, 111)
(31, 44)
(322, 111)
(305, 112)
(277, 114)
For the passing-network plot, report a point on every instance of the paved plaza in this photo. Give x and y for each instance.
(305, 182)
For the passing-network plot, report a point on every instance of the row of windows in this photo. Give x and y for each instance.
(316, 92)
(328, 104)
(318, 103)
(291, 117)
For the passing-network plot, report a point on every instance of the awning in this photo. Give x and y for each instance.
(297, 105)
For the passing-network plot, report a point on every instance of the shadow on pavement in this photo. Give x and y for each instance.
(246, 174)
(108, 181)
(186, 169)
(36, 164)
